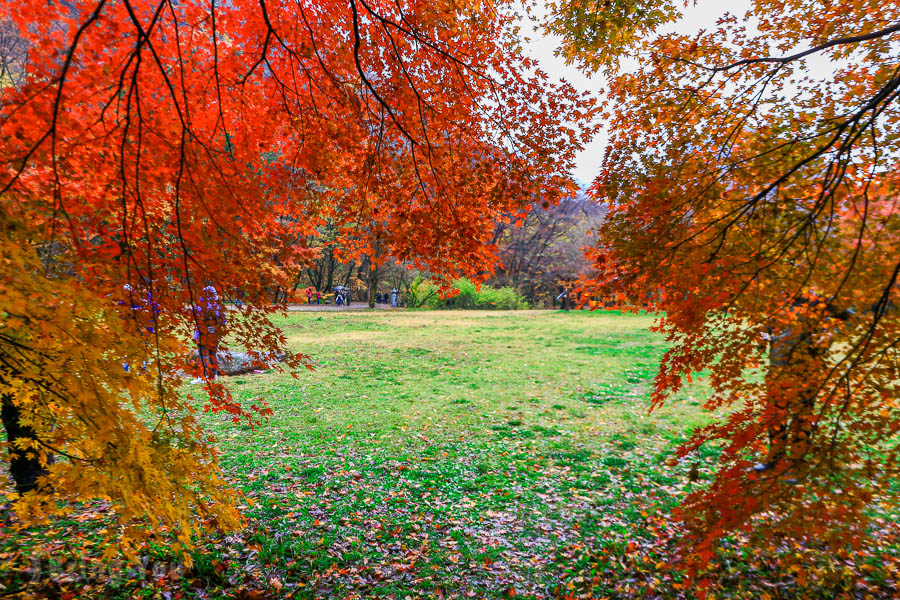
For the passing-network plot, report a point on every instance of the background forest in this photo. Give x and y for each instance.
(540, 254)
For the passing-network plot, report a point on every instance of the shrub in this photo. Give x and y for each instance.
(424, 294)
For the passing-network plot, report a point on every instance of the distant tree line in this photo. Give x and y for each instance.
(540, 254)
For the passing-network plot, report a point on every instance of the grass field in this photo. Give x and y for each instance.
(456, 454)
(470, 453)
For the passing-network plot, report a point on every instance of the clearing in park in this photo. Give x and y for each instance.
(468, 454)
(480, 453)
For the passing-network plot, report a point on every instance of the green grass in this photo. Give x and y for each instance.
(396, 375)
(455, 454)
(466, 452)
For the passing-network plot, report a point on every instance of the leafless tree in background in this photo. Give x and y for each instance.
(546, 248)
(12, 55)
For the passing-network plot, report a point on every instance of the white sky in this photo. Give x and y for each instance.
(541, 48)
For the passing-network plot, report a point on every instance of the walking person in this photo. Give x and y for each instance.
(209, 318)
(145, 311)
(318, 297)
(563, 297)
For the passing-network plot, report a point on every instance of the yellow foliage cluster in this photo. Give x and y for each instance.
(102, 429)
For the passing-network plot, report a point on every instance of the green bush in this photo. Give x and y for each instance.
(506, 298)
(423, 294)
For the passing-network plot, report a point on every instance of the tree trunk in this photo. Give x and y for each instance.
(330, 277)
(25, 470)
(349, 275)
(373, 285)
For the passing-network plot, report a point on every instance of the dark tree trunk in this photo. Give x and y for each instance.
(373, 285)
(25, 471)
(329, 278)
(349, 275)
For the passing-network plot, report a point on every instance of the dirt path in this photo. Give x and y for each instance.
(332, 307)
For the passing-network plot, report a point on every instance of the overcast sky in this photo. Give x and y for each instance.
(542, 47)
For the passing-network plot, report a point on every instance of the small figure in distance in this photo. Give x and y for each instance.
(209, 316)
(563, 297)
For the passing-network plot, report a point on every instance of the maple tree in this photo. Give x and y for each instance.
(751, 180)
(156, 148)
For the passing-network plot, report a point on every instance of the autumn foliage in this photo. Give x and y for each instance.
(752, 185)
(154, 148)
(151, 149)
